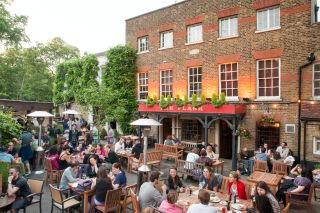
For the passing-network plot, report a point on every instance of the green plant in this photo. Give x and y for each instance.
(103, 133)
(215, 100)
(243, 132)
(317, 166)
(9, 128)
(265, 119)
(195, 103)
(164, 103)
(179, 102)
(151, 101)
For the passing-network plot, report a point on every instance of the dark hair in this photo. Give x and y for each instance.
(117, 165)
(102, 174)
(172, 196)
(53, 150)
(276, 156)
(204, 197)
(91, 156)
(306, 172)
(74, 164)
(285, 143)
(262, 185)
(290, 153)
(263, 204)
(203, 153)
(154, 176)
(65, 147)
(263, 150)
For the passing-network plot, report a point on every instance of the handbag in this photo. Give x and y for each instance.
(84, 185)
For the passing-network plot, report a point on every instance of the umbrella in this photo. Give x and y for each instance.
(40, 114)
(145, 122)
(71, 112)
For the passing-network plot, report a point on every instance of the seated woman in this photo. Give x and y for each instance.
(128, 143)
(289, 160)
(65, 158)
(136, 151)
(296, 171)
(92, 167)
(236, 187)
(168, 141)
(120, 179)
(204, 159)
(262, 189)
(100, 151)
(174, 182)
(102, 185)
(300, 184)
(210, 153)
(168, 205)
(80, 148)
(263, 204)
(209, 180)
(54, 158)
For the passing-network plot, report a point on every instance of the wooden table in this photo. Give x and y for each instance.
(85, 195)
(125, 154)
(272, 180)
(6, 201)
(185, 199)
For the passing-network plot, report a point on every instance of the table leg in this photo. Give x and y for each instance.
(85, 202)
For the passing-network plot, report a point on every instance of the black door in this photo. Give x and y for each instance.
(166, 128)
(225, 140)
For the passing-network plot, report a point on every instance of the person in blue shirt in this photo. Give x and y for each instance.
(5, 156)
(209, 180)
(119, 180)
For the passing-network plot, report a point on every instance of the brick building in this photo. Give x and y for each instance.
(251, 51)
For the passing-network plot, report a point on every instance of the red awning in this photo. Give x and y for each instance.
(231, 109)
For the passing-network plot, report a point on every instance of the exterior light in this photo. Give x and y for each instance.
(312, 102)
(275, 105)
(253, 106)
(299, 101)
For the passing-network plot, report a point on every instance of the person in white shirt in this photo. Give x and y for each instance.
(203, 207)
(192, 157)
(119, 145)
(283, 150)
(290, 159)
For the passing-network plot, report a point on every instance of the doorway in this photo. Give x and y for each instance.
(166, 128)
(225, 140)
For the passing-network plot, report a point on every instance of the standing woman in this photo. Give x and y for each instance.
(262, 189)
(25, 151)
(174, 182)
(236, 187)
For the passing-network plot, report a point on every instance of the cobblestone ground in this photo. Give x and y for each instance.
(132, 178)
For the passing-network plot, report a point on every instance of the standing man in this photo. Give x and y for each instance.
(73, 136)
(19, 187)
(110, 135)
(95, 133)
(283, 150)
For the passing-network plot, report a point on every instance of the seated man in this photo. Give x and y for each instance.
(203, 207)
(69, 175)
(112, 157)
(18, 186)
(119, 145)
(283, 150)
(11, 149)
(192, 157)
(149, 194)
(5, 156)
(262, 156)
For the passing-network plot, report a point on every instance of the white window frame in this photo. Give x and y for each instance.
(290, 125)
(198, 82)
(268, 27)
(166, 39)
(229, 20)
(313, 82)
(146, 48)
(146, 84)
(315, 141)
(170, 92)
(314, 4)
(194, 36)
(229, 98)
(277, 98)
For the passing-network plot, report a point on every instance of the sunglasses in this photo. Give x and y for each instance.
(10, 173)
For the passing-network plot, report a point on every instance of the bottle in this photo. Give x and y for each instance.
(235, 199)
(260, 149)
(190, 190)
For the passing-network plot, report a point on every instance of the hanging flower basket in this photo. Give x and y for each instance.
(243, 132)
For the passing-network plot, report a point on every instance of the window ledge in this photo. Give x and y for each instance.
(315, 24)
(228, 37)
(143, 52)
(232, 99)
(197, 42)
(267, 99)
(316, 155)
(165, 48)
(315, 98)
(267, 30)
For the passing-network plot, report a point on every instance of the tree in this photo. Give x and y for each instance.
(12, 27)
(9, 128)
(120, 83)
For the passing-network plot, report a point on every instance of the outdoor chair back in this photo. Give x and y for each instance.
(135, 203)
(127, 198)
(224, 185)
(112, 202)
(260, 165)
(279, 168)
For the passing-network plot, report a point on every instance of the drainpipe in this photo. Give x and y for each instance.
(311, 58)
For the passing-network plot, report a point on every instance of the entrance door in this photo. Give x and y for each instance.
(225, 140)
(166, 128)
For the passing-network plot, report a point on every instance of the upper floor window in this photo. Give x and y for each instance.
(228, 27)
(143, 85)
(143, 44)
(229, 79)
(316, 11)
(316, 81)
(268, 19)
(195, 81)
(268, 82)
(166, 39)
(194, 33)
(166, 83)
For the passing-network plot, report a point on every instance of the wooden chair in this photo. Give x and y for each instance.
(279, 168)
(224, 185)
(58, 202)
(260, 165)
(300, 198)
(171, 152)
(135, 203)
(36, 187)
(248, 188)
(127, 198)
(153, 159)
(50, 174)
(189, 146)
(286, 209)
(316, 186)
(112, 203)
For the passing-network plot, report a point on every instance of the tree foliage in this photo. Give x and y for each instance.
(120, 82)
(9, 128)
(12, 27)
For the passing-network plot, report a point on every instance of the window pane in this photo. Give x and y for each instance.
(268, 64)
(234, 67)
(317, 75)
(275, 72)
(317, 92)
(229, 92)
(317, 84)
(234, 75)
(268, 92)
(228, 68)
(261, 64)
(222, 76)
(262, 83)
(317, 66)
(223, 85)
(268, 82)
(276, 82)
(268, 73)
(261, 92)
(235, 92)
(276, 91)
(261, 74)
(222, 68)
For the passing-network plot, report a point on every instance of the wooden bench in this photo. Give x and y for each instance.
(153, 159)
(170, 151)
(189, 146)
(189, 168)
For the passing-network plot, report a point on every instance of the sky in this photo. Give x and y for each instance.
(91, 25)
